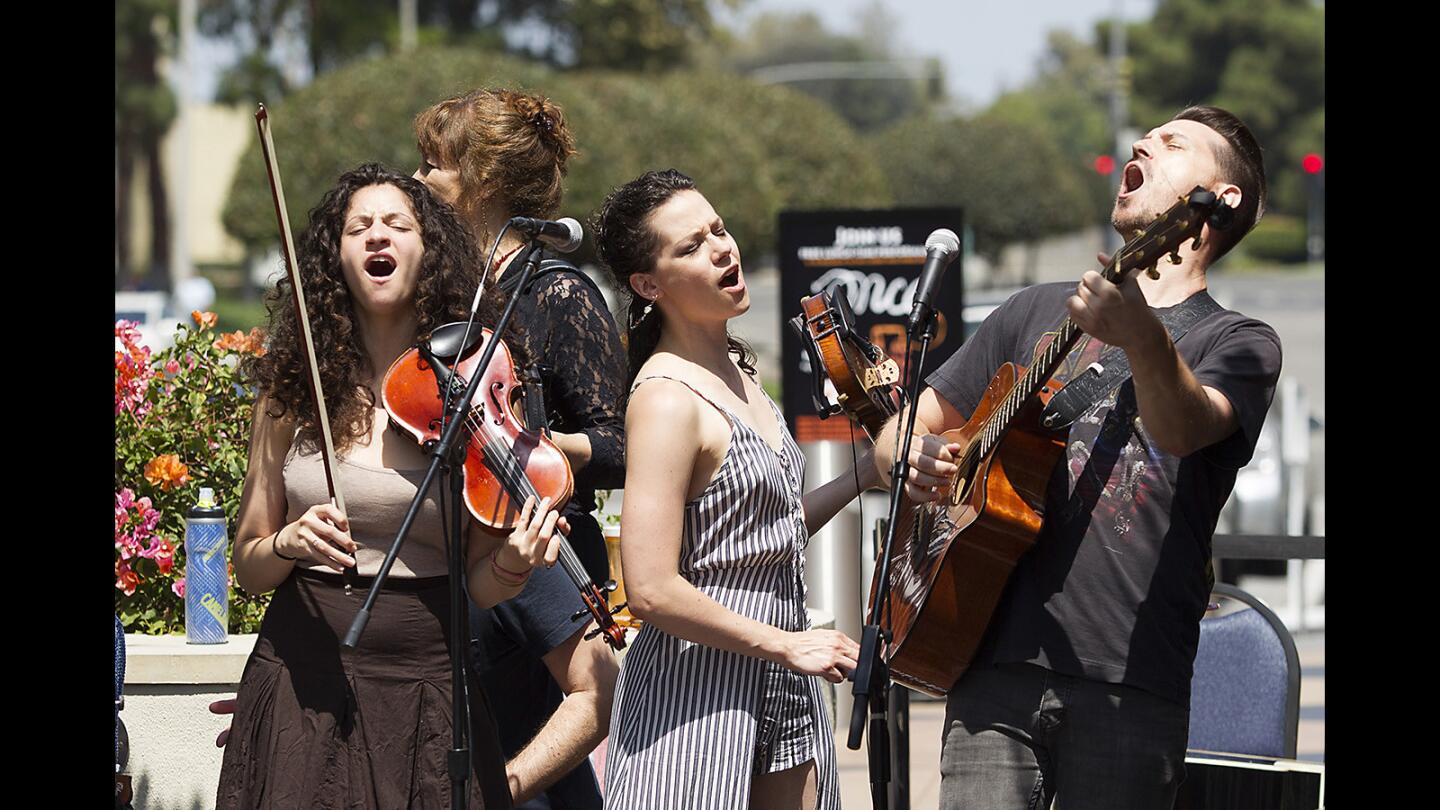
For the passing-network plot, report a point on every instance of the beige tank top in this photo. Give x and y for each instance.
(377, 499)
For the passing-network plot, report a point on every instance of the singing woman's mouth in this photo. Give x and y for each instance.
(379, 265)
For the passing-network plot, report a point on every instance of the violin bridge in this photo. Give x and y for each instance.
(887, 373)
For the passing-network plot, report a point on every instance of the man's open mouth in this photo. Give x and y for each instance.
(1134, 179)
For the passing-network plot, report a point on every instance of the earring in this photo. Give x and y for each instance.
(644, 313)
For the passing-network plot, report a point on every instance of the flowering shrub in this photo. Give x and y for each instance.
(182, 421)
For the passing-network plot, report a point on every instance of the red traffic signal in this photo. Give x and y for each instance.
(1104, 164)
(1313, 163)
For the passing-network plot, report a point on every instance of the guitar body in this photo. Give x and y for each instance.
(953, 557)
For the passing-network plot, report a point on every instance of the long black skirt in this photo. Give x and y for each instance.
(320, 726)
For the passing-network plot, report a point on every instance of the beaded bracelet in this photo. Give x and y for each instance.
(275, 547)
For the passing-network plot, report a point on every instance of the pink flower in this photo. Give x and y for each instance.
(124, 499)
(152, 549)
(178, 586)
(125, 542)
(128, 331)
(172, 366)
(165, 557)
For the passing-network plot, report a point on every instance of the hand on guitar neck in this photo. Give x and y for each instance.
(1115, 314)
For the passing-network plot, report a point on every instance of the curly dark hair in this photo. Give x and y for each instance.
(626, 245)
(449, 274)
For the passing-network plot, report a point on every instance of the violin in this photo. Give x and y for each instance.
(866, 382)
(505, 462)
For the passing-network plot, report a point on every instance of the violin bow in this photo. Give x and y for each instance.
(287, 244)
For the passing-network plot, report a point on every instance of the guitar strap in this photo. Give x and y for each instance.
(1113, 367)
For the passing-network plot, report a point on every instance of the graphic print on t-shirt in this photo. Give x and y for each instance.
(1110, 463)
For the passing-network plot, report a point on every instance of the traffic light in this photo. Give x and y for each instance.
(1313, 163)
(1104, 164)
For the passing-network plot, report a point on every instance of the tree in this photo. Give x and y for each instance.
(1068, 99)
(858, 75)
(1263, 60)
(144, 108)
(753, 149)
(617, 34)
(1009, 178)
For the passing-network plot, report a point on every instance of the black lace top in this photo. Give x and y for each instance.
(563, 326)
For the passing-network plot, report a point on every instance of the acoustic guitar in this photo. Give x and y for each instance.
(953, 557)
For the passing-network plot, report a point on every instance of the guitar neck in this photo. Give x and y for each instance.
(1039, 372)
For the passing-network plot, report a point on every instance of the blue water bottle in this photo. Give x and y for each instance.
(207, 573)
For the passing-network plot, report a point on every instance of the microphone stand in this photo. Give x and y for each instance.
(872, 673)
(449, 452)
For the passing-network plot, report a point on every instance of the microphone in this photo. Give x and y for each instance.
(564, 235)
(940, 249)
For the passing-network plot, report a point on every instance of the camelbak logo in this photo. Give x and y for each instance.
(870, 292)
(210, 603)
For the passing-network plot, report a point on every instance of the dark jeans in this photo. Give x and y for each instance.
(1018, 735)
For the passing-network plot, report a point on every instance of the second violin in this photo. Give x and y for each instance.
(505, 461)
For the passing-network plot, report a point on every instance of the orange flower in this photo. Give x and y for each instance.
(238, 341)
(204, 320)
(167, 472)
(231, 342)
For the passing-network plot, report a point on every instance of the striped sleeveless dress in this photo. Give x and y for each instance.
(692, 724)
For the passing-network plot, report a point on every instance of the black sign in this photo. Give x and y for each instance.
(874, 259)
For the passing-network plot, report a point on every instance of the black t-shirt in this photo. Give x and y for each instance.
(1116, 584)
(507, 642)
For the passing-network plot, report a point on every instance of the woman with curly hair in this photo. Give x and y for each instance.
(316, 725)
(495, 154)
(719, 702)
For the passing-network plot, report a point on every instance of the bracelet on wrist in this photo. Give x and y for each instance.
(504, 575)
(275, 547)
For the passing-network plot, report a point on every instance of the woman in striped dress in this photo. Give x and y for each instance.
(719, 704)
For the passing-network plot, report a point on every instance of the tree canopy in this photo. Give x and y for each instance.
(1010, 178)
(753, 149)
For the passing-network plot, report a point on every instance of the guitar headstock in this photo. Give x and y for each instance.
(1163, 237)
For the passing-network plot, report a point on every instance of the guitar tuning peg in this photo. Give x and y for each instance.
(1137, 234)
(1152, 272)
(1175, 257)
(1195, 245)
(609, 586)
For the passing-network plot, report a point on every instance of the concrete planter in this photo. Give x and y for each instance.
(169, 686)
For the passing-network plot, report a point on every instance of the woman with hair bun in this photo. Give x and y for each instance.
(494, 154)
(718, 704)
(316, 725)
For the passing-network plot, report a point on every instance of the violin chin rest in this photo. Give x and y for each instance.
(444, 342)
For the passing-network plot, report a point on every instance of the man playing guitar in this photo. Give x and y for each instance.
(1081, 685)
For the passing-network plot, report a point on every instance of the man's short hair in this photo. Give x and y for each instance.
(1241, 163)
